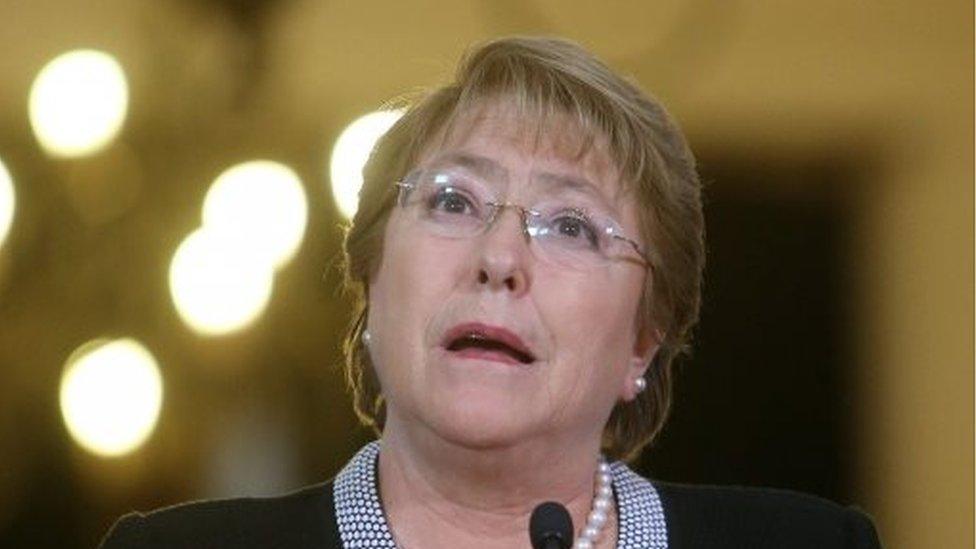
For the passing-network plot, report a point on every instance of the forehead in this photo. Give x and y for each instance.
(497, 137)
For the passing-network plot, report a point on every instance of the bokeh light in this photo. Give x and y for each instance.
(7, 202)
(78, 103)
(111, 395)
(262, 202)
(217, 283)
(349, 155)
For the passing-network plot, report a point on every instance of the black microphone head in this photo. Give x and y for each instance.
(551, 526)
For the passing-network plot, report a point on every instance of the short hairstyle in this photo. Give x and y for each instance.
(546, 78)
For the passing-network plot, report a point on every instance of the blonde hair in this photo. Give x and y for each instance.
(545, 78)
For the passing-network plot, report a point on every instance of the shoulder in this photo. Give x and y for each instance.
(713, 516)
(297, 519)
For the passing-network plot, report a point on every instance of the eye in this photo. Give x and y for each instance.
(450, 200)
(575, 227)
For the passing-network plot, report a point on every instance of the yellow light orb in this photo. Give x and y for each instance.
(261, 202)
(7, 202)
(111, 394)
(78, 103)
(217, 282)
(349, 155)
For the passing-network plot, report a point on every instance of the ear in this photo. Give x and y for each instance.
(646, 345)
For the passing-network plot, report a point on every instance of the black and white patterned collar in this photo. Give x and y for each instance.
(362, 524)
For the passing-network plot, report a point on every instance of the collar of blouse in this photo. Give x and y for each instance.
(362, 522)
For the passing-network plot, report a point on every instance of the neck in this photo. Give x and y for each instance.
(438, 493)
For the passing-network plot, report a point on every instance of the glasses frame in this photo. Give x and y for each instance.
(408, 184)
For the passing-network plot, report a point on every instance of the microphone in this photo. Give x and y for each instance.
(551, 527)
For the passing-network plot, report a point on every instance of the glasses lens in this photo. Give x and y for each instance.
(569, 236)
(449, 204)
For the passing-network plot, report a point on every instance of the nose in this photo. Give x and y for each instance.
(503, 254)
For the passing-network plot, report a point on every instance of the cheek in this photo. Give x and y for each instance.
(409, 288)
(592, 323)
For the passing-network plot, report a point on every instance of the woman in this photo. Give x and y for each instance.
(527, 256)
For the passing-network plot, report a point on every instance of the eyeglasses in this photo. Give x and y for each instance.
(454, 204)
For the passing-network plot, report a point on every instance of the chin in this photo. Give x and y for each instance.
(481, 421)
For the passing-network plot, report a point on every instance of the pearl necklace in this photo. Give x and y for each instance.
(602, 500)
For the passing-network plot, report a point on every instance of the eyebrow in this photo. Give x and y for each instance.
(572, 183)
(481, 165)
(488, 167)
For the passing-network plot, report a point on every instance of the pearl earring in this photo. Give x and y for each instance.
(640, 384)
(366, 337)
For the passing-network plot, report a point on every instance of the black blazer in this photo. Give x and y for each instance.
(696, 516)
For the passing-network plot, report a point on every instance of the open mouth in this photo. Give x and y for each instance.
(487, 341)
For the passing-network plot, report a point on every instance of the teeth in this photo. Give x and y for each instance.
(467, 340)
(479, 340)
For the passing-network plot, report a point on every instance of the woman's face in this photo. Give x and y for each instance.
(485, 341)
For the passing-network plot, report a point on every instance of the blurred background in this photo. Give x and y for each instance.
(175, 175)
